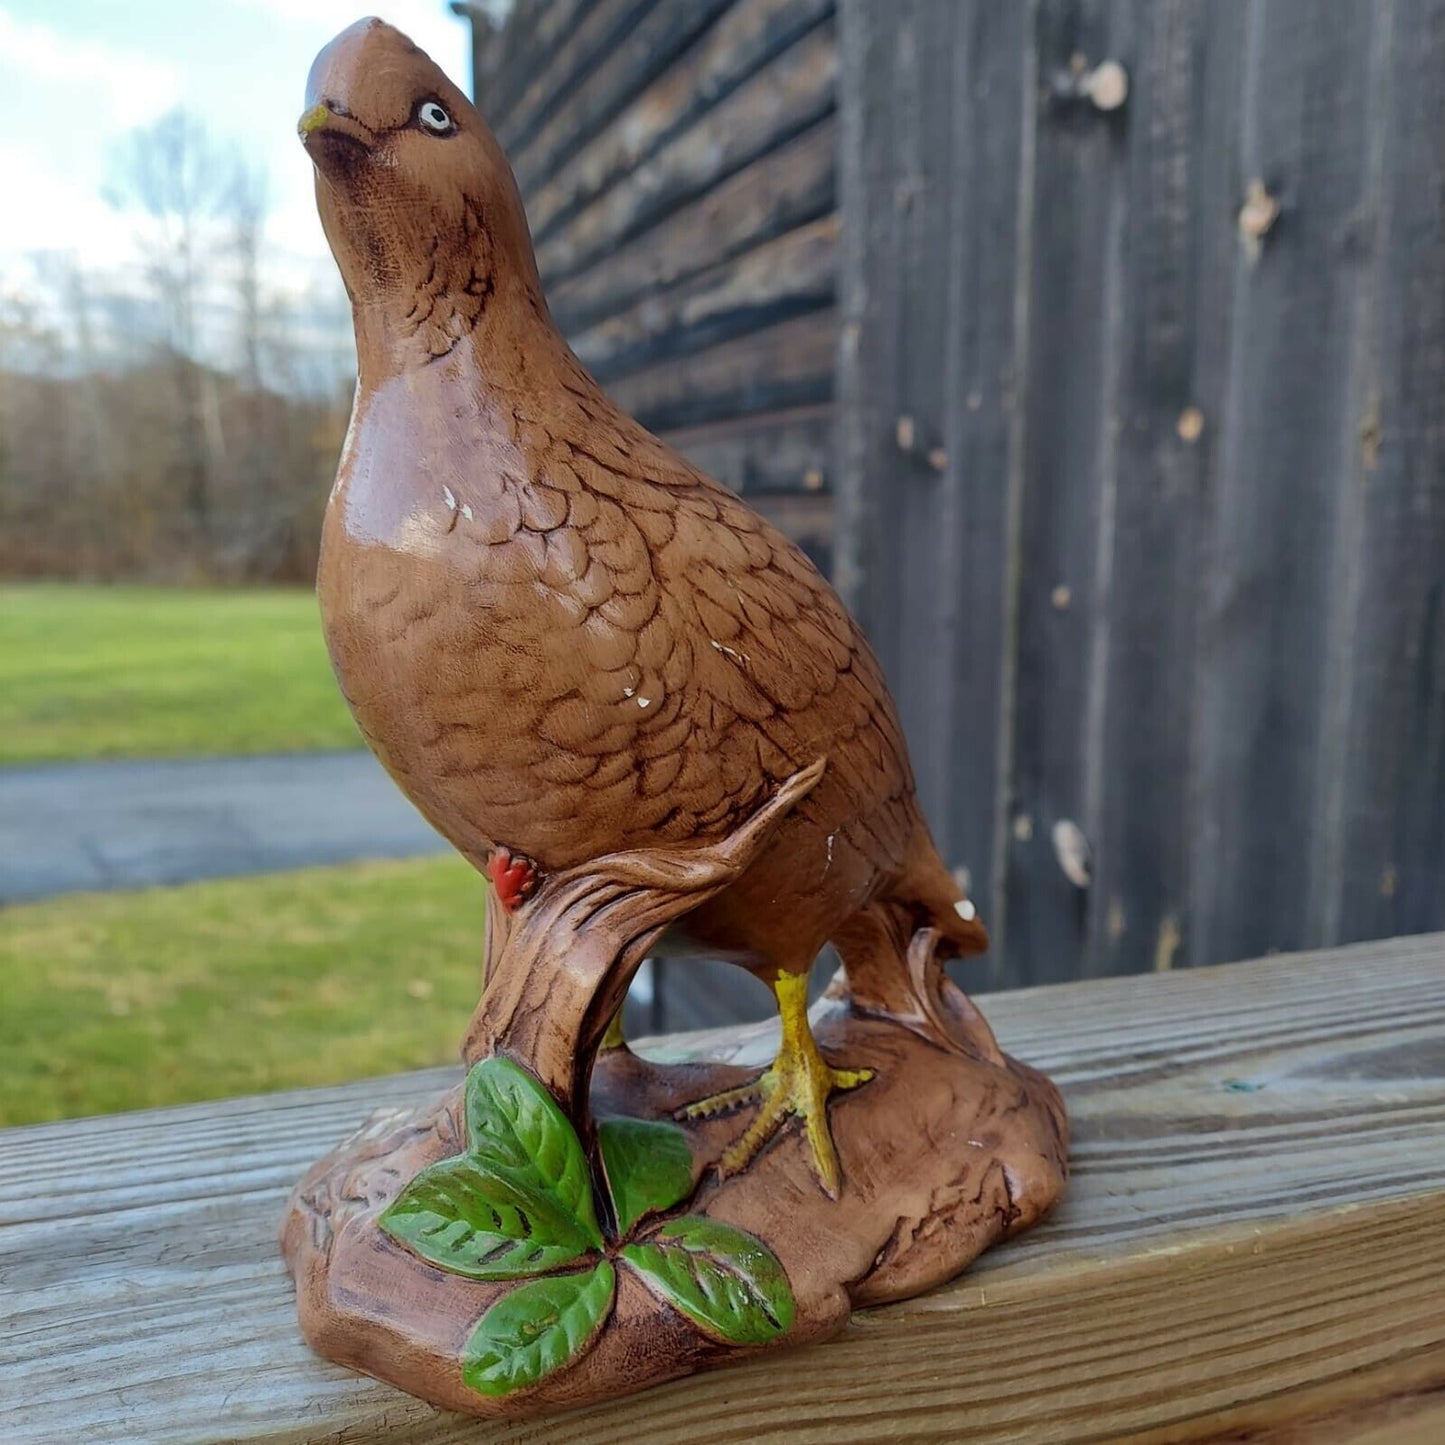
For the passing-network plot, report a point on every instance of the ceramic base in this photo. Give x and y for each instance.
(983, 1157)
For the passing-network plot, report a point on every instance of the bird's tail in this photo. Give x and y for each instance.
(935, 897)
(874, 943)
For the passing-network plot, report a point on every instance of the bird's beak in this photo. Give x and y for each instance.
(327, 121)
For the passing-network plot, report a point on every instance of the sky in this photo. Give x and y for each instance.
(77, 75)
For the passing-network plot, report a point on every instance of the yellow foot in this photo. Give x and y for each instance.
(613, 1038)
(798, 1082)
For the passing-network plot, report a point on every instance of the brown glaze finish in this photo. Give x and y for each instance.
(644, 716)
(956, 1148)
(559, 637)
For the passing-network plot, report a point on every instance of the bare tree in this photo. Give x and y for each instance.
(179, 180)
(246, 206)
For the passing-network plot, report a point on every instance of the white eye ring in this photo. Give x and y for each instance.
(433, 117)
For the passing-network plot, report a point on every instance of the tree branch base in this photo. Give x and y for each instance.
(952, 1147)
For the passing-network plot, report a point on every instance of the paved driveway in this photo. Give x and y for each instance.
(76, 826)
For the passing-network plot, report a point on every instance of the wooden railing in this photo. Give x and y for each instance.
(1253, 1248)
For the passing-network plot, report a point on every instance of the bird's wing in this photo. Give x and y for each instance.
(690, 657)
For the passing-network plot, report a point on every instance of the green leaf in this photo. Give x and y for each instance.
(726, 1282)
(537, 1328)
(515, 1129)
(484, 1224)
(649, 1167)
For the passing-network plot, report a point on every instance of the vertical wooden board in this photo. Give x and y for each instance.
(1078, 211)
(1179, 242)
(932, 155)
(1391, 872)
(1283, 466)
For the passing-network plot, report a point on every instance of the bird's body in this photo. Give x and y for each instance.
(561, 639)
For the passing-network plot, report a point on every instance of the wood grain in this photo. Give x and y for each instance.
(783, 451)
(934, 151)
(613, 77)
(770, 283)
(792, 93)
(789, 186)
(1388, 866)
(782, 366)
(1173, 507)
(1254, 1238)
(732, 53)
(1290, 411)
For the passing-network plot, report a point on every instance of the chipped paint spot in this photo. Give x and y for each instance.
(1168, 944)
(832, 837)
(448, 498)
(1117, 923)
(644, 702)
(728, 651)
(467, 510)
(628, 691)
(965, 910)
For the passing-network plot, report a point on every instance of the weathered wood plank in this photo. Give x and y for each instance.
(612, 78)
(1385, 803)
(787, 187)
(550, 86)
(1180, 241)
(777, 280)
(787, 451)
(745, 43)
(1288, 450)
(787, 365)
(934, 107)
(576, 223)
(522, 46)
(1255, 1235)
(1069, 478)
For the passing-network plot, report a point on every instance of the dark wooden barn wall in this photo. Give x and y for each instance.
(678, 161)
(1142, 483)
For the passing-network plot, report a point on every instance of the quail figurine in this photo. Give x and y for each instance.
(561, 638)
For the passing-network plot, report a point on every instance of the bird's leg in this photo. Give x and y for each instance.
(798, 1081)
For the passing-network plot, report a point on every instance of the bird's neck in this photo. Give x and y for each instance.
(433, 435)
(492, 333)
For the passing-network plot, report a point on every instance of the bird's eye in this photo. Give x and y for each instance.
(433, 117)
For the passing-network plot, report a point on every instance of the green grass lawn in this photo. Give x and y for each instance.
(103, 672)
(128, 1000)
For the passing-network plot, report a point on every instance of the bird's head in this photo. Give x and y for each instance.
(416, 198)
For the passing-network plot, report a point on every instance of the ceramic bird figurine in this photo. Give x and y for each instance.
(560, 638)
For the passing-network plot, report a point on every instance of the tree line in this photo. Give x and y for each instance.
(186, 427)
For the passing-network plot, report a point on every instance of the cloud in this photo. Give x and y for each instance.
(133, 88)
(427, 22)
(59, 212)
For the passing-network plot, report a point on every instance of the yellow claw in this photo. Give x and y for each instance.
(613, 1038)
(798, 1082)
